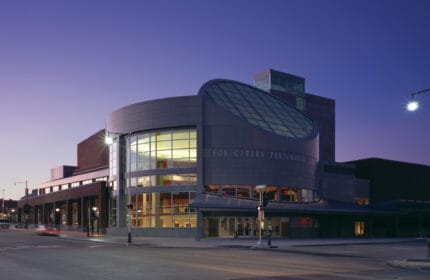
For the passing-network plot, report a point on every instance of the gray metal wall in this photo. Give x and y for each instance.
(156, 114)
(237, 152)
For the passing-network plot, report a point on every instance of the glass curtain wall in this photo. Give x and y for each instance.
(163, 209)
(167, 152)
(162, 150)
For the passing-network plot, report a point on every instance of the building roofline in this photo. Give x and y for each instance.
(376, 159)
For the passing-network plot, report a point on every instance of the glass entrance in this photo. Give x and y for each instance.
(227, 227)
(231, 227)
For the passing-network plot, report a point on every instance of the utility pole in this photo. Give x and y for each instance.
(2, 208)
(26, 206)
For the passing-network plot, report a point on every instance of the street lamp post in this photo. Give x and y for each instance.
(96, 219)
(413, 105)
(2, 207)
(12, 215)
(57, 217)
(26, 206)
(260, 210)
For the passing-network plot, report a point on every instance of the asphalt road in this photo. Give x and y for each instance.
(25, 255)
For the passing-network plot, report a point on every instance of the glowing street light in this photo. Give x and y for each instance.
(109, 140)
(413, 105)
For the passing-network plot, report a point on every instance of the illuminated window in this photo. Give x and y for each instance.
(164, 180)
(113, 170)
(243, 192)
(228, 190)
(287, 194)
(212, 189)
(162, 149)
(359, 228)
(87, 182)
(272, 193)
(166, 210)
(290, 194)
(362, 201)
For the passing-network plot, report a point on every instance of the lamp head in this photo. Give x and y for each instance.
(108, 139)
(412, 105)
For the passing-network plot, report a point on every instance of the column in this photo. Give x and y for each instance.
(103, 206)
(120, 201)
(199, 228)
(69, 213)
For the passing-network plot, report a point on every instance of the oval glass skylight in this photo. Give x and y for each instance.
(260, 108)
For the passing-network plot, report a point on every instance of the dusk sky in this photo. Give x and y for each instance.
(65, 65)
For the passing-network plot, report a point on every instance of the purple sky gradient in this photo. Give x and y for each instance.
(65, 65)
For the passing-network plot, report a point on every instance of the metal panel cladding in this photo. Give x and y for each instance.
(251, 137)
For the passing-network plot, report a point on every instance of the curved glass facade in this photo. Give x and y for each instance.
(163, 209)
(260, 109)
(162, 149)
(162, 154)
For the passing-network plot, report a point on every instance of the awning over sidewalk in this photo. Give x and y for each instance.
(211, 202)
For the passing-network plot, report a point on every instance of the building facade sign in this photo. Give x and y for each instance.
(229, 153)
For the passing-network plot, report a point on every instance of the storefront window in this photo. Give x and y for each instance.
(167, 209)
(359, 228)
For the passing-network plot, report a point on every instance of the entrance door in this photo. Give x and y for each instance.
(227, 227)
(244, 227)
(212, 227)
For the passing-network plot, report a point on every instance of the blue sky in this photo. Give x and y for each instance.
(65, 65)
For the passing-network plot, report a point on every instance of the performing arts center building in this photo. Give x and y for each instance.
(194, 166)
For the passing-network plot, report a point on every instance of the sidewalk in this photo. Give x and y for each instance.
(277, 244)
(398, 252)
